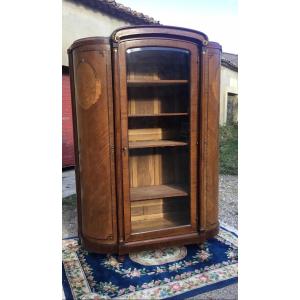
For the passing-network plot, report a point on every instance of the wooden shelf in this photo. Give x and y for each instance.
(158, 222)
(156, 143)
(156, 192)
(135, 82)
(157, 115)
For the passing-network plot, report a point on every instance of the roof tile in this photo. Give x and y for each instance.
(119, 10)
(230, 61)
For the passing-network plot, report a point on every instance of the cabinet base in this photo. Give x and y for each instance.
(96, 246)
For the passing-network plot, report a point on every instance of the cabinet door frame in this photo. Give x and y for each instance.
(193, 142)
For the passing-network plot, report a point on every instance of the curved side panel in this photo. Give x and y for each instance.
(96, 246)
(91, 66)
(212, 187)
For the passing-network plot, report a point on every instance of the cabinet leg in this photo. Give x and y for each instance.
(201, 245)
(121, 258)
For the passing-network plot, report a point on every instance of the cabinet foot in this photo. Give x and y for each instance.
(121, 258)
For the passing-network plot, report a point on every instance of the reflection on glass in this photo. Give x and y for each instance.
(158, 90)
(157, 63)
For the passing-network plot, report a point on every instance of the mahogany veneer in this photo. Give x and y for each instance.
(145, 108)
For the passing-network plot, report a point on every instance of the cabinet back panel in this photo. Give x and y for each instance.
(158, 166)
(147, 128)
(159, 213)
(155, 100)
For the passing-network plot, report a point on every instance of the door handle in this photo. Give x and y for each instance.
(124, 149)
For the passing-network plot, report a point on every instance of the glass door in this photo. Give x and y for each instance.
(159, 128)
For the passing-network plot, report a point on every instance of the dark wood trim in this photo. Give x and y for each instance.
(118, 148)
(178, 240)
(110, 101)
(146, 31)
(97, 40)
(194, 140)
(95, 246)
(161, 233)
(124, 140)
(186, 239)
(203, 139)
(214, 45)
(213, 111)
(192, 48)
(75, 138)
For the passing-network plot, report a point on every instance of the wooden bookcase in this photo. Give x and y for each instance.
(145, 113)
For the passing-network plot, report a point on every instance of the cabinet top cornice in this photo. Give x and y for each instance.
(129, 32)
(148, 31)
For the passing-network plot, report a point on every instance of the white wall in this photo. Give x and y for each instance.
(79, 21)
(229, 84)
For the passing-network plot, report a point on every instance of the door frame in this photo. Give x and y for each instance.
(193, 143)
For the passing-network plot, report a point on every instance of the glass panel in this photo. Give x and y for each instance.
(159, 214)
(155, 63)
(145, 100)
(158, 129)
(158, 136)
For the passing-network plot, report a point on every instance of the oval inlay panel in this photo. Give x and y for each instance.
(158, 256)
(87, 87)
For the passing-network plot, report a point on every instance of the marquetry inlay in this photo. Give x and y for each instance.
(88, 87)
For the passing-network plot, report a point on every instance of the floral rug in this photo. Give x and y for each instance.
(169, 273)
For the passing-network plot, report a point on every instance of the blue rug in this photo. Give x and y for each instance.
(170, 273)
